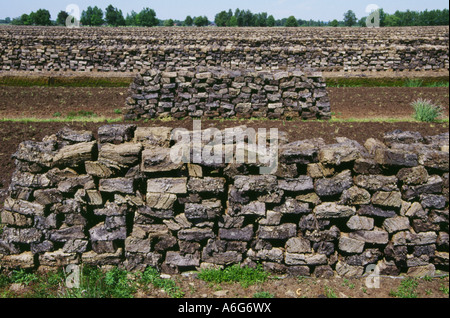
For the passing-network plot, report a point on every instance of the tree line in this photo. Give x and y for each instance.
(112, 16)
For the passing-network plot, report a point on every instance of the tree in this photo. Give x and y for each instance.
(271, 21)
(239, 17)
(201, 21)
(97, 17)
(233, 22)
(40, 17)
(132, 19)
(291, 22)
(334, 23)
(261, 19)
(62, 17)
(24, 19)
(169, 23)
(114, 16)
(391, 20)
(147, 18)
(362, 22)
(221, 19)
(92, 16)
(350, 18)
(189, 21)
(383, 16)
(247, 18)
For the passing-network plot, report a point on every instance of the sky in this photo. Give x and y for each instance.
(324, 10)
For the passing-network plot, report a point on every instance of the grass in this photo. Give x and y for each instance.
(97, 119)
(407, 289)
(23, 277)
(426, 111)
(94, 283)
(388, 82)
(111, 81)
(151, 276)
(245, 276)
(347, 283)
(329, 292)
(263, 294)
(80, 115)
(74, 117)
(438, 84)
(413, 83)
(64, 81)
(444, 289)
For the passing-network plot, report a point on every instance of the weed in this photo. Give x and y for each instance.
(118, 285)
(444, 289)
(348, 284)
(426, 111)
(92, 284)
(427, 278)
(329, 292)
(117, 111)
(407, 289)
(301, 279)
(57, 114)
(438, 84)
(4, 280)
(46, 286)
(413, 83)
(23, 277)
(81, 114)
(152, 276)
(166, 119)
(245, 276)
(263, 294)
(61, 120)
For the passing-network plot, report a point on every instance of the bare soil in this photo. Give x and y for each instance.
(346, 102)
(383, 102)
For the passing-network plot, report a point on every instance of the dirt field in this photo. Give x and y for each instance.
(347, 102)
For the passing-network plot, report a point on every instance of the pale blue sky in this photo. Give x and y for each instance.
(324, 10)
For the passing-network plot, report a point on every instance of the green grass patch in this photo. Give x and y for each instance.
(56, 119)
(415, 82)
(95, 283)
(152, 276)
(382, 120)
(329, 292)
(80, 115)
(444, 289)
(245, 276)
(23, 277)
(66, 81)
(407, 289)
(388, 82)
(438, 84)
(263, 294)
(426, 111)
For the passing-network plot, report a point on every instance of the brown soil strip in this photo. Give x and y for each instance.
(351, 102)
